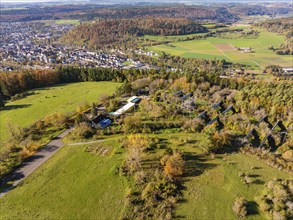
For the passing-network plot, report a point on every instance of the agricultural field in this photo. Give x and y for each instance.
(224, 47)
(73, 184)
(46, 101)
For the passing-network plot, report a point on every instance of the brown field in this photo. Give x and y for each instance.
(224, 47)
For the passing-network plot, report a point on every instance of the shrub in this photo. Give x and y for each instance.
(239, 207)
(174, 165)
(140, 142)
(81, 131)
(220, 139)
(132, 124)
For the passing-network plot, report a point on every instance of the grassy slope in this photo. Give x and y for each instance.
(211, 194)
(213, 184)
(74, 178)
(73, 184)
(62, 98)
(208, 49)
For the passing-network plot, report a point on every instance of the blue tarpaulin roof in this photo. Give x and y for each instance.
(105, 123)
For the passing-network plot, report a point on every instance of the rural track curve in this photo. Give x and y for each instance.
(32, 163)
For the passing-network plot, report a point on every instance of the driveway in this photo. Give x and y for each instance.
(31, 164)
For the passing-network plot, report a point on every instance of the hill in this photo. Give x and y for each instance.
(107, 33)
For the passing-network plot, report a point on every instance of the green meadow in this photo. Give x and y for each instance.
(73, 184)
(210, 195)
(223, 47)
(61, 21)
(213, 183)
(46, 101)
(87, 186)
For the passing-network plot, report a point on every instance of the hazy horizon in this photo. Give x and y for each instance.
(139, 1)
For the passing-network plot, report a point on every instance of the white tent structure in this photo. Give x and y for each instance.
(125, 108)
(130, 103)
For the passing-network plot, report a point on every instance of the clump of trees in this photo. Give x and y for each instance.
(81, 131)
(173, 164)
(220, 140)
(132, 124)
(24, 142)
(155, 192)
(276, 200)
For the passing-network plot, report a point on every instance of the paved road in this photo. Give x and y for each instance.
(30, 165)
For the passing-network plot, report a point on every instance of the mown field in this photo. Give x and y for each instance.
(73, 184)
(46, 101)
(224, 48)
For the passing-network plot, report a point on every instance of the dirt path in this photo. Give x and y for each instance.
(30, 165)
(83, 143)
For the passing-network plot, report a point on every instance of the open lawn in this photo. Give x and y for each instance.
(224, 48)
(73, 184)
(46, 101)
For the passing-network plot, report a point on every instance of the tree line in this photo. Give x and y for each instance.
(18, 82)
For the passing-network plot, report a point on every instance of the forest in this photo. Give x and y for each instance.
(105, 33)
(91, 12)
(223, 13)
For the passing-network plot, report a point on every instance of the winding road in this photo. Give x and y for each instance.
(31, 164)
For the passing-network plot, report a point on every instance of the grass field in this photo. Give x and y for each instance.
(223, 48)
(46, 101)
(62, 21)
(210, 195)
(73, 184)
(212, 184)
(86, 186)
(8, 9)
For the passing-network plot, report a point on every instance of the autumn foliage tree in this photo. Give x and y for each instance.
(173, 164)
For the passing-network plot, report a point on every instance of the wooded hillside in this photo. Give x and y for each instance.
(111, 32)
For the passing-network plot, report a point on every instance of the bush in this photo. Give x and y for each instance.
(219, 140)
(132, 124)
(239, 207)
(82, 131)
(195, 125)
(173, 165)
